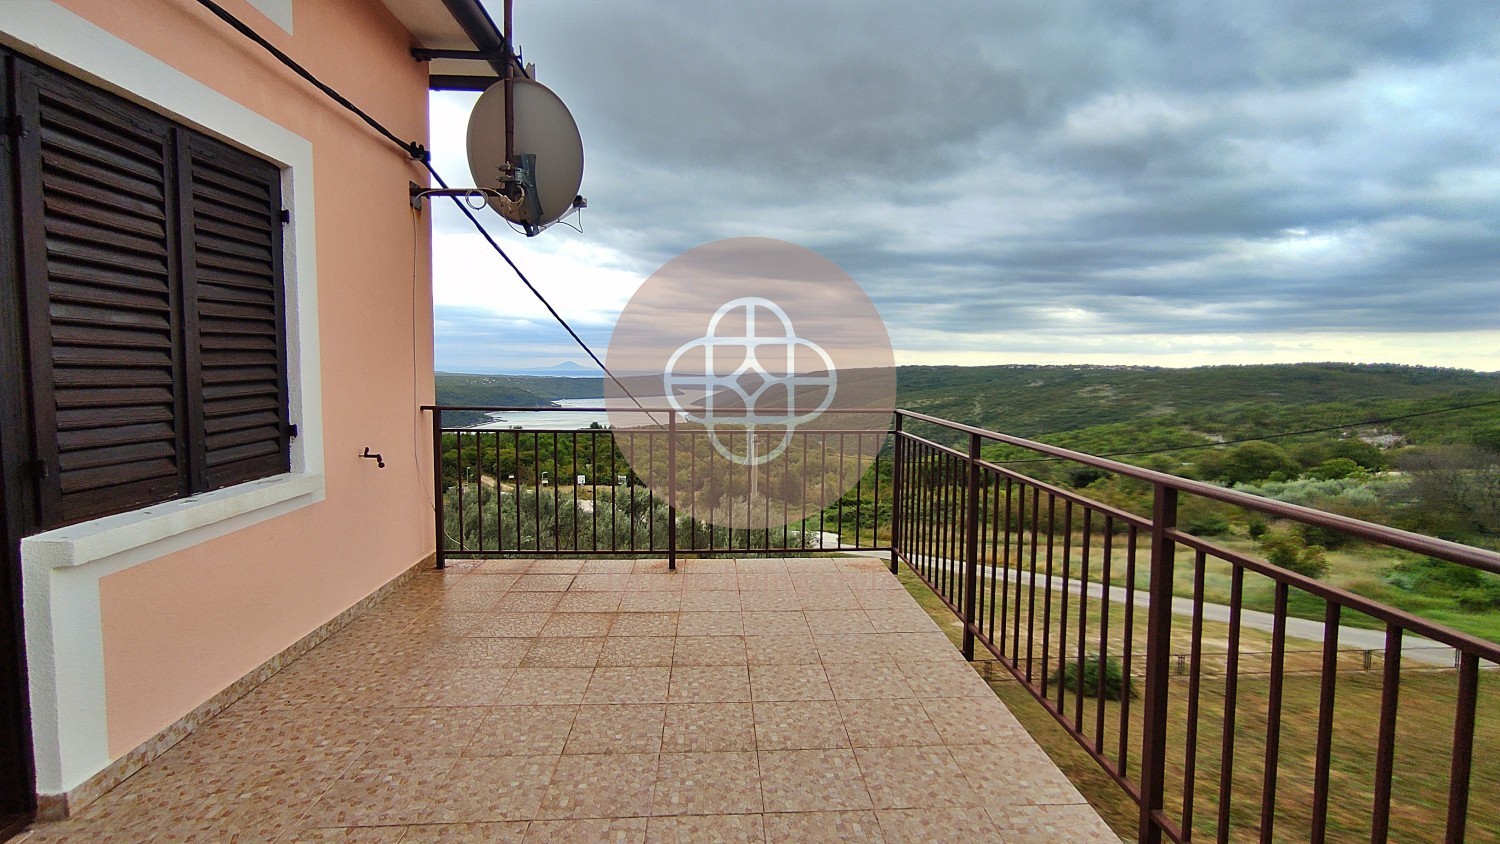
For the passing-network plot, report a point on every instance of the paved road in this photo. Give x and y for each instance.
(1414, 648)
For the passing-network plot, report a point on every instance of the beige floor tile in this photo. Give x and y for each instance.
(945, 678)
(865, 680)
(464, 686)
(697, 622)
(568, 700)
(578, 624)
(564, 653)
(764, 582)
(521, 731)
(288, 734)
(838, 622)
(645, 624)
(600, 786)
(850, 648)
(348, 835)
(493, 788)
(706, 829)
(631, 684)
(477, 652)
(799, 725)
(775, 623)
(556, 567)
(588, 831)
(706, 784)
(709, 650)
(811, 781)
(546, 686)
(610, 566)
(941, 826)
(920, 647)
(914, 777)
(529, 602)
(790, 649)
(424, 733)
(589, 601)
(650, 602)
(542, 582)
(1017, 773)
(708, 727)
(789, 682)
(384, 792)
(887, 723)
(622, 651)
(826, 828)
(616, 728)
(777, 600)
(713, 601)
(1049, 824)
(503, 832)
(509, 624)
(709, 684)
(974, 721)
(612, 582)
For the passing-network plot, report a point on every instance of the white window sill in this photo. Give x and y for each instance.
(169, 526)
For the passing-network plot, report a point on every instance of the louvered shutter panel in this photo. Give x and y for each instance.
(98, 235)
(236, 340)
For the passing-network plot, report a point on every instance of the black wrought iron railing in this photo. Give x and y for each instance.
(1230, 699)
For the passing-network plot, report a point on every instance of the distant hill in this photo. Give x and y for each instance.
(1033, 401)
(1135, 403)
(508, 391)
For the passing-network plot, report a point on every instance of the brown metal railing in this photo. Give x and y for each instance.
(563, 491)
(1206, 713)
(1054, 586)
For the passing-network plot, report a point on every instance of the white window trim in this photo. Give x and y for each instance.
(62, 568)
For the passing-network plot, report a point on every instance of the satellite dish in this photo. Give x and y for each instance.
(544, 128)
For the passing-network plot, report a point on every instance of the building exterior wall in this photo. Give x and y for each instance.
(135, 620)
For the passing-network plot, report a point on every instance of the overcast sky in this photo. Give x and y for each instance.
(1064, 181)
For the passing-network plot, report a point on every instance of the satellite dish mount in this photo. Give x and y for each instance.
(532, 178)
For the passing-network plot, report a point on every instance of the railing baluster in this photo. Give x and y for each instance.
(971, 548)
(1062, 615)
(1036, 509)
(1323, 755)
(1385, 747)
(1231, 702)
(440, 511)
(1273, 717)
(1104, 604)
(1158, 667)
(1047, 570)
(1463, 747)
(1083, 615)
(1195, 685)
(1004, 571)
(1127, 656)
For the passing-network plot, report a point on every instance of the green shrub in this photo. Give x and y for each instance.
(1255, 527)
(1473, 590)
(1115, 684)
(1288, 550)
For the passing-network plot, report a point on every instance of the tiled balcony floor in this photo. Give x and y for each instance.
(797, 701)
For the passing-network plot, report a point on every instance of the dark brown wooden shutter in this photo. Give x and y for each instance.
(98, 219)
(236, 355)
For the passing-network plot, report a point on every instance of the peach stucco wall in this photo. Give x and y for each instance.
(179, 629)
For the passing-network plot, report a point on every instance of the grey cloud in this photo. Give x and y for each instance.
(980, 166)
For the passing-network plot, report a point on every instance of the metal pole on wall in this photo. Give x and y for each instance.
(672, 491)
(437, 487)
(897, 468)
(1158, 664)
(971, 546)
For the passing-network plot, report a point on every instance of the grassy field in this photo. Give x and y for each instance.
(1424, 737)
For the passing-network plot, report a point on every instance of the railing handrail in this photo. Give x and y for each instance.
(1406, 540)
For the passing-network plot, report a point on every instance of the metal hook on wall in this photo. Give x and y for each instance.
(379, 461)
